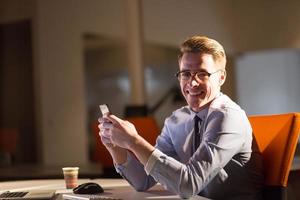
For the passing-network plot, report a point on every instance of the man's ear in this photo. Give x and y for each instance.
(222, 77)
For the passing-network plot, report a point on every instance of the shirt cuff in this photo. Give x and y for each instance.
(120, 167)
(152, 160)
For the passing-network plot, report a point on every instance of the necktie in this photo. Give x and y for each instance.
(197, 135)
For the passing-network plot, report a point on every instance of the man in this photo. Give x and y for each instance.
(204, 148)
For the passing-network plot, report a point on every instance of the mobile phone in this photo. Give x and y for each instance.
(104, 109)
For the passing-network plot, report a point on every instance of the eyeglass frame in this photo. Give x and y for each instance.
(207, 74)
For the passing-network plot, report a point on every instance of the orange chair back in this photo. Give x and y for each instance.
(146, 127)
(100, 153)
(277, 138)
(8, 142)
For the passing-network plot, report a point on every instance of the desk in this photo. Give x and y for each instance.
(117, 188)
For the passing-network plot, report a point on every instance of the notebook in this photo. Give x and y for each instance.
(32, 194)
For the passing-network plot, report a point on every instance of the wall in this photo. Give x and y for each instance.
(268, 81)
(59, 27)
(266, 24)
(239, 25)
(15, 10)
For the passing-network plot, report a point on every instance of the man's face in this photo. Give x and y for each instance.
(200, 91)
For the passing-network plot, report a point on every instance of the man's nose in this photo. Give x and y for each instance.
(194, 82)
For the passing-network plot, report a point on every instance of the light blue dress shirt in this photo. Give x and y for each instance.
(226, 165)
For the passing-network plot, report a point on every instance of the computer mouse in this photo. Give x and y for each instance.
(88, 188)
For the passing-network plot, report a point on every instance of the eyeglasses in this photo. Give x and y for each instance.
(185, 75)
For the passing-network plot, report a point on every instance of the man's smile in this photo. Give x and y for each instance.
(195, 93)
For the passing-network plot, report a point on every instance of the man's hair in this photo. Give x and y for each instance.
(203, 44)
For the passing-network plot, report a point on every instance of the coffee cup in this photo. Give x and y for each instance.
(71, 176)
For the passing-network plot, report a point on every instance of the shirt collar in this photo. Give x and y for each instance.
(201, 114)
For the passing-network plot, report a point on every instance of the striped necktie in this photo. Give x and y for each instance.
(197, 134)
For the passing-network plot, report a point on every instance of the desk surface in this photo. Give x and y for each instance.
(117, 188)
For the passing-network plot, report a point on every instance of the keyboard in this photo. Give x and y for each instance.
(13, 194)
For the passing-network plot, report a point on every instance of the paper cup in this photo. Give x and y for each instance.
(71, 176)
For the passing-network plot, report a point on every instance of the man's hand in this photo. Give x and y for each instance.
(118, 154)
(104, 132)
(123, 134)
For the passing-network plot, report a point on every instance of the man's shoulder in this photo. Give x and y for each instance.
(224, 103)
(224, 107)
(180, 114)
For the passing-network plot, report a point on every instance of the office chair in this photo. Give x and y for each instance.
(100, 153)
(146, 126)
(8, 145)
(277, 138)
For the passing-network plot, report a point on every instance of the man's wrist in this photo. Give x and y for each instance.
(141, 148)
(119, 155)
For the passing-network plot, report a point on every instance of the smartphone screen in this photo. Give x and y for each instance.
(104, 109)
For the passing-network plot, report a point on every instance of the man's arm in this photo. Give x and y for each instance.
(127, 164)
